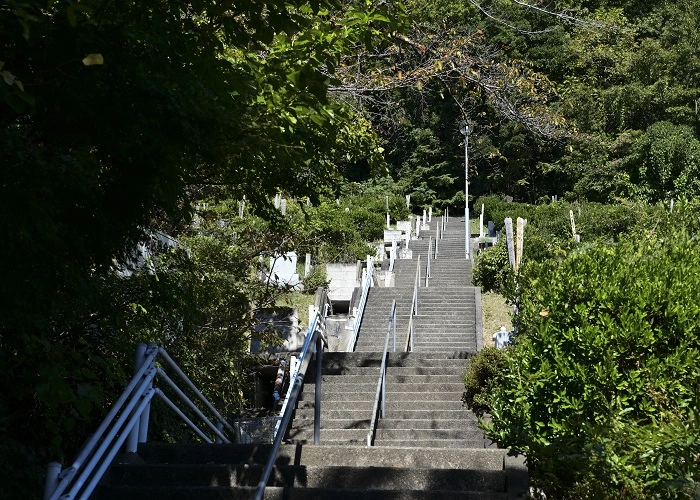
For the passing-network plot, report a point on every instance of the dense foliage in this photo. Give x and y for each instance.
(601, 387)
(119, 119)
(115, 120)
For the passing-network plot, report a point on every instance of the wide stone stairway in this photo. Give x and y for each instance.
(426, 446)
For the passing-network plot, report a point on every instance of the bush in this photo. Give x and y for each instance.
(493, 271)
(481, 378)
(316, 278)
(601, 388)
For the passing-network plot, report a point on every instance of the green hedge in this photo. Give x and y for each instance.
(602, 389)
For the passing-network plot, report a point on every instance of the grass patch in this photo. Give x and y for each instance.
(301, 302)
(495, 313)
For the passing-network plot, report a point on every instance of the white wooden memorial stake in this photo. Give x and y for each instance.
(509, 241)
(519, 242)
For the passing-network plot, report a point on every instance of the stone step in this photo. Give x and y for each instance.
(305, 416)
(432, 336)
(408, 414)
(418, 382)
(368, 406)
(390, 421)
(394, 393)
(349, 382)
(393, 422)
(439, 339)
(307, 422)
(433, 443)
(407, 435)
(428, 359)
(321, 455)
(447, 371)
(446, 391)
(280, 493)
(336, 397)
(306, 434)
(375, 478)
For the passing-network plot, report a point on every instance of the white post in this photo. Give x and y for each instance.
(408, 201)
(417, 227)
(388, 220)
(573, 223)
(283, 206)
(425, 218)
(481, 222)
(430, 214)
(307, 265)
(509, 241)
(519, 242)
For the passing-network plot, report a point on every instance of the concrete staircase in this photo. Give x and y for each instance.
(426, 446)
(188, 472)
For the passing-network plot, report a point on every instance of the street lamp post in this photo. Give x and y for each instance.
(464, 129)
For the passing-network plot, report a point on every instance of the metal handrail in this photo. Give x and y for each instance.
(314, 337)
(392, 256)
(368, 283)
(380, 396)
(427, 270)
(414, 310)
(127, 421)
(437, 238)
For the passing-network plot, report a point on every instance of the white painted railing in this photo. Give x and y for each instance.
(427, 270)
(366, 285)
(437, 238)
(414, 310)
(127, 422)
(379, 409)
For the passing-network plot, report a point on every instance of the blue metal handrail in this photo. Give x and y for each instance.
(368, 283)
(314, 337)
(127, 421)
(380, 397)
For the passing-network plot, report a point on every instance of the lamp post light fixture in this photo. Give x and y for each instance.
(465, 131)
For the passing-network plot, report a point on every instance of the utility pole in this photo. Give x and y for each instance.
(465, 130)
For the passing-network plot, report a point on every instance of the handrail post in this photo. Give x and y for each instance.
(52, 472)
(419, 271)
(132, 442)
(146, 415)
(317, 402)
(394, 323)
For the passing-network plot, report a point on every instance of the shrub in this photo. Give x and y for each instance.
(601, 388)
(481, 378)
(493, 271)
(315, 279)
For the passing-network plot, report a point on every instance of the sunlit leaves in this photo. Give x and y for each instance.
(611, 369)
